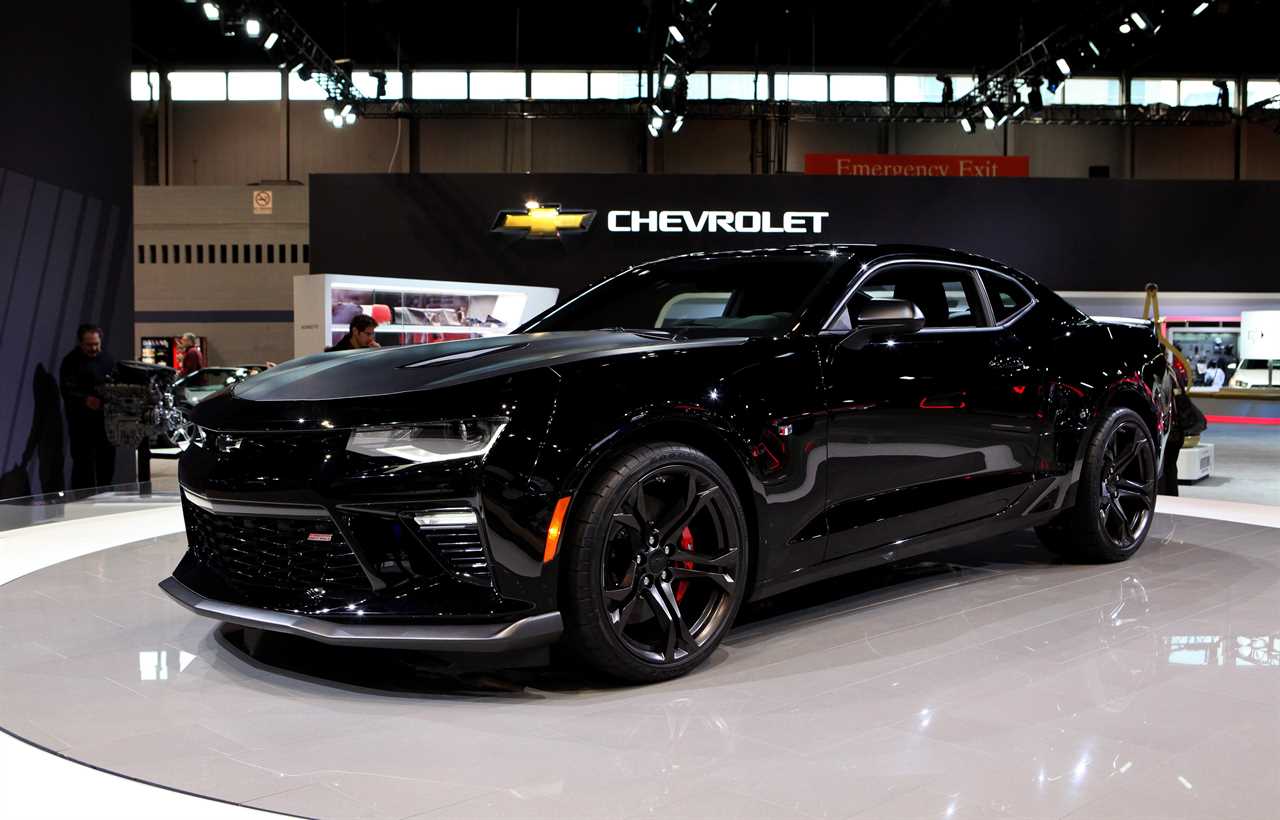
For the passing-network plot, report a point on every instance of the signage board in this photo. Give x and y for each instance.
(916, 165)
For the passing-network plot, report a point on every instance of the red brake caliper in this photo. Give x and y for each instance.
(686, 544)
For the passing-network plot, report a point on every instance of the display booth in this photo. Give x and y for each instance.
(409, 311)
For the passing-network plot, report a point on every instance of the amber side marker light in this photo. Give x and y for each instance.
(553, 531)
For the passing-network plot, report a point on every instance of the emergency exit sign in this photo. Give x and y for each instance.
(916, 165)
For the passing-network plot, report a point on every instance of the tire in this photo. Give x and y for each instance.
(1115, 500)
(658, 531)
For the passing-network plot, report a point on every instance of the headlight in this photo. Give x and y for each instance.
(430, 442)
(1239, 383)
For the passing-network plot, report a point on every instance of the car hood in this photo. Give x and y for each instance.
(390, 371)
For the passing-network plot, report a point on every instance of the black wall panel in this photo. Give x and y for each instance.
(66, 214)
(1071, 234)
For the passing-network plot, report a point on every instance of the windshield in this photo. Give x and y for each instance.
(1258, 364)
(742, 295)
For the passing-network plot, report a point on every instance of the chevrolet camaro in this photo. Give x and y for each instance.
(617, 477)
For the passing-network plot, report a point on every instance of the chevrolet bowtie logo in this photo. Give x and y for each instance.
(543, 221)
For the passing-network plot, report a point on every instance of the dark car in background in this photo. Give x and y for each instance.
(193, 388)
(625, 470)
(189, 390)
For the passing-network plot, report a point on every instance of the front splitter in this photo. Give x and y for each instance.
(526, 633)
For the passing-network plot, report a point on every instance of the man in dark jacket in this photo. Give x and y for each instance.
(359, 335)
(83, 371)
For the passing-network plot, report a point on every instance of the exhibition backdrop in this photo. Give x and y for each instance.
(66, 211)
(1104, 235)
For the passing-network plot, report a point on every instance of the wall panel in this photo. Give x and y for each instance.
(593, 146)
(1184, 152)
(226, 143)
(470, 145)
(947, 138)
(829, 138)
(1262, 152)
(317, 147)
(1069, 150)
(65, 216)
(708, 147)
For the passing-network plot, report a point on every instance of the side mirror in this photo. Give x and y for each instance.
(883, 317)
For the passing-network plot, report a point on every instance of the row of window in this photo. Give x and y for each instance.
(224, 254)
(715, 85)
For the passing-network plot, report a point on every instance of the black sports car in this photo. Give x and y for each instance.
(626, 469)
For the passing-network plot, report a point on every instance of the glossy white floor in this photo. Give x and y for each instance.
(990, 682)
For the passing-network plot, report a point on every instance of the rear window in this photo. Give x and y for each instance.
(1007, 297)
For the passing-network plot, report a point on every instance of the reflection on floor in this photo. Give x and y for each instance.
(989, 681)
(1248, 465)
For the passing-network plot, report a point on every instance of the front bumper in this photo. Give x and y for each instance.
(527, 633)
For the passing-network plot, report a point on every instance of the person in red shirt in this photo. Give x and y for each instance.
(192, 356)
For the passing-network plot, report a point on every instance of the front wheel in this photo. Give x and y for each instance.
(1116, 498)
(656, 564)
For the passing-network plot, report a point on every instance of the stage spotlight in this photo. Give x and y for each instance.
(655, 124)
(211, 11)
(948, 88)
(252, 27)
(1018, 110)
(1200, 8)
(1064, 67)
(1097, 52)
(350, 117)
(1054, 77)
(966, 124)
(675, 33)
(1140, 20)
(1035, 99)
(656, 111)
(329, 114)
(989, 124)
(1125, 28)
(678, 124)
(653, 131)
(669, 80)
(1224, 94)
(272, 38)
(337, 122)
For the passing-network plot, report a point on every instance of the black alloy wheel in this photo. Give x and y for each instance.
(1116, 496)
(659, 568)
(1126, 497)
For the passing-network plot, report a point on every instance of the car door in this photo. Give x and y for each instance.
(922, 435)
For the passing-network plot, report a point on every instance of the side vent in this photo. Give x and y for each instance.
(453, 536)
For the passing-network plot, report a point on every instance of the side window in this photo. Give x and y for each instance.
(1007, 296)
(948, 297)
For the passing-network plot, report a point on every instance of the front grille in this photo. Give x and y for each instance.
(262, 552)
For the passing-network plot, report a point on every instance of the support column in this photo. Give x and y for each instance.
(286, 134)
(1242, 129)
(413, 124)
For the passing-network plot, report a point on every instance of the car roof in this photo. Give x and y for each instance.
(865, 251)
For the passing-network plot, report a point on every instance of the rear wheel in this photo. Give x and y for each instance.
(656, 564)
(1116, 497)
